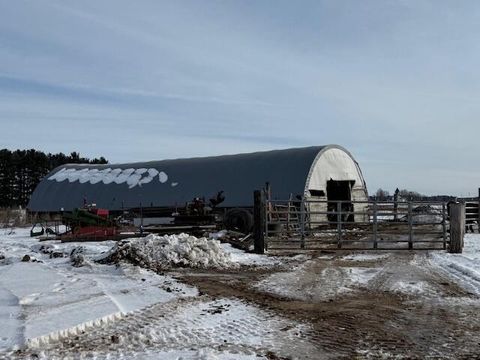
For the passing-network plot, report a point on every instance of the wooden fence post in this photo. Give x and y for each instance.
(259, 221)
(339, 225)
(478, 214)
(302, 223)
(444, 225)
(410, 225)
(457, 227)
(395, 205)
(375, 225)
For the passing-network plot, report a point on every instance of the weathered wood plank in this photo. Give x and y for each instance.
(457, 227)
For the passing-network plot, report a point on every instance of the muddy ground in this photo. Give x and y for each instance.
(373, 319)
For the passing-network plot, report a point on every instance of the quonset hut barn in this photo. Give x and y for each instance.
(318, 172)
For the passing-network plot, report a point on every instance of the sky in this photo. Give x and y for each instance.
(395, 82)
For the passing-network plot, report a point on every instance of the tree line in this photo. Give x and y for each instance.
(22, 170)
(407, 195)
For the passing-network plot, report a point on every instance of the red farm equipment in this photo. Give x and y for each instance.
(89, 223)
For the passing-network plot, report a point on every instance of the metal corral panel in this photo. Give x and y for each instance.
(169, 183)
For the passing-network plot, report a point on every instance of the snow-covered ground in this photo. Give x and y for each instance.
(47, 294)
(312, 283)
(365, 257)
(196, 328)
(50, 296)
(240, 257)
(421, 275)
(463, 268)
(55, 303)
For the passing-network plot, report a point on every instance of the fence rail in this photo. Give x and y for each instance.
(309, 224)
(472, 214)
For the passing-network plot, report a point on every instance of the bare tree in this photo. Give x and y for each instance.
(382, 195)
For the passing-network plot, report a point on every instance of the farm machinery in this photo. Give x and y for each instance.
(82, 224)
(89, 223)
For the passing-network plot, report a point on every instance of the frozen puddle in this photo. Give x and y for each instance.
(230, 328)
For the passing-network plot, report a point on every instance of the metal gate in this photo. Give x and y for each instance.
(315, 224)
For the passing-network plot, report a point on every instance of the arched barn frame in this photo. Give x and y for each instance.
(317, 172)
(334, 176)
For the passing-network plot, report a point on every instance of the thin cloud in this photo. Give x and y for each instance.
(395, 82)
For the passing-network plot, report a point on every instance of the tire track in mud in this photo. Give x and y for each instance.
(340, 327)
(414, 269)
(195, 323)
(460, 270)
(426, 317)
(378, 319)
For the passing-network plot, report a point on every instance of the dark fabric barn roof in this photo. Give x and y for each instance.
(238, 175)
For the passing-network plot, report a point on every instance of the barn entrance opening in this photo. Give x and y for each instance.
(340, 190)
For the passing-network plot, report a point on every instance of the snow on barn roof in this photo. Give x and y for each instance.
(168, 183)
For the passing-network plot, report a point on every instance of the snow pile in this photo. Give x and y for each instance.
(77, 257)
(164, 252)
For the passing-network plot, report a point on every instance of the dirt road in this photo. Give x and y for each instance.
(341, 306)
(377, 319)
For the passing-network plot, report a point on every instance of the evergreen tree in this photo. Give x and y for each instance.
(22, 170)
